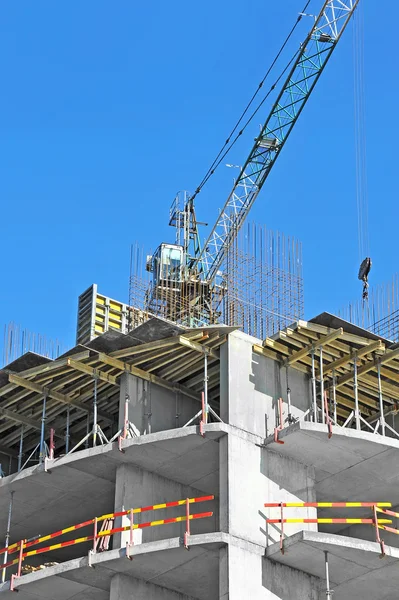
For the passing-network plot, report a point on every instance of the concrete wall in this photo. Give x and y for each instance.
(138, 488)
(250, 386)
(247, 574)
(251, 476)
(129, 588)
(153, 408)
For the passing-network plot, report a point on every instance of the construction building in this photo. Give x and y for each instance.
(141, 466)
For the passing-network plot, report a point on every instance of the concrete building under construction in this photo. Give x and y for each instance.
(174, 463)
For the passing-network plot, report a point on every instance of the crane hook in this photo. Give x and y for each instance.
(364, 271)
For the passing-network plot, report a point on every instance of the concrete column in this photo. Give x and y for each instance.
(247, 574)
(153, 408)
(250, 386)
(129, 588)
(250, 476)
(138, 488)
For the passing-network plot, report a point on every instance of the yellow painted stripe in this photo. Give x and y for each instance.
(156, 506)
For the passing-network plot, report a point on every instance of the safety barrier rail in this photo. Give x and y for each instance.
(22, 546)
(375, 521)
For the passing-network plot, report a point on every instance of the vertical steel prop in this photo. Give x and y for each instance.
(7, 541)
(381, 400)
(314, 397)
(42, 430)
(355, 388)
(323, 415)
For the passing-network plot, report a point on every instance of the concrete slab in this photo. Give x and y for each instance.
(356, 571)
(165, 563)
(82, 485)
(351, 466)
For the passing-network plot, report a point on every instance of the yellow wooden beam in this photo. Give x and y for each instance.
(125, 367)
(385, 358)
(183, 341)
(40, 389)
(323, 341)
(79, 366)
(340, 362)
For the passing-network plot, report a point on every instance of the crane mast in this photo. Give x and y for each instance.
(184, 285)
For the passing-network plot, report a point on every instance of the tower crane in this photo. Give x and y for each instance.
(188, 282)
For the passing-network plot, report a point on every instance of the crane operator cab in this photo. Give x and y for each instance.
(166, 265)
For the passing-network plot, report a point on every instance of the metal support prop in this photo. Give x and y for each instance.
(314, 398)
(355, 389)
(334, 391)
(187, 532)
(290, 418)
(87, 431)
(67, 434)
(7, 541)
(329, 592)
(95, 412)
(323, 415)
(42, 447)
(21, 445)
(382, 416)
(206, 378)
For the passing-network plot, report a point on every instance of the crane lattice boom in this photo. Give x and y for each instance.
(312, 57)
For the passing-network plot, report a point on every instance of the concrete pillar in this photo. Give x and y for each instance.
(138, 488)
(250, 476)
(152, 408)
(250, 386)
(245, 573)
(130, 588)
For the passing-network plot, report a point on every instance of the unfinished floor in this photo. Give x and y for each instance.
(149, 391)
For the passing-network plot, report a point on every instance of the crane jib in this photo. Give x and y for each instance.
(311, 59)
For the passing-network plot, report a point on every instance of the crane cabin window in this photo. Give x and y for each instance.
(168, 262)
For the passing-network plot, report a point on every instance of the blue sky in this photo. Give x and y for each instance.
(107, 109)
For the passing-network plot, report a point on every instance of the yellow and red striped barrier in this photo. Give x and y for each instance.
(328, 521)
(327, 505)
(375, 521)
(14, 547)
(23, 545)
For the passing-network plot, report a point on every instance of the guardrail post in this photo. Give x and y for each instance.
(52, 444)
(187, 533)
(20, 559)
(280, 425)
(377, 532)
(130, 543)
(94, 548)
(282, 528)
(327, 414)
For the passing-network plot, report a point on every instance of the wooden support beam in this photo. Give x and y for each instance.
(347, 337)
(269, 353)
(29, 422)
(79, 366)
(125, 367)
(39, 389)
(385, 358)
(372, 347)
(141, 348)
(323, 341)
(184, 341)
